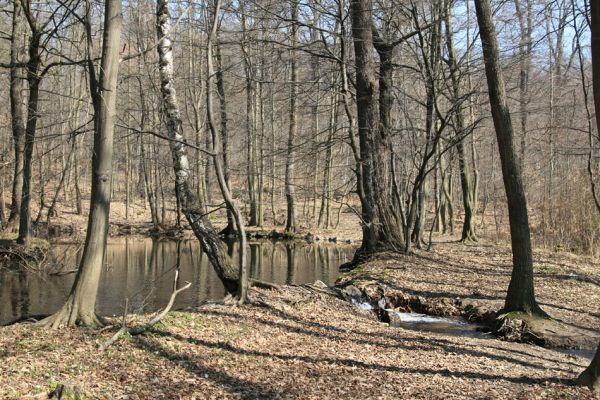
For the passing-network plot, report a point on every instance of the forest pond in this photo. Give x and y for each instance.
(142, 270)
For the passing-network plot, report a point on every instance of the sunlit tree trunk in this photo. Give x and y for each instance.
(191, 206)
(521, 294)
(33, 83)
(379, 227)
(468, 229)
(229, 229)
(251, 122)
(80, 305)
(17, 113)
(524, 17)
(591, 376)
(218, 163)
(290, 224)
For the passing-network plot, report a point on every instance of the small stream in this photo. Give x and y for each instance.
(142, 269)
(454, 326)
(426, 323)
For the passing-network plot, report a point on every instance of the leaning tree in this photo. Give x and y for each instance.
(191, 205)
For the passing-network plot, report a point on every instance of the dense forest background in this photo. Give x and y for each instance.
(275, 64)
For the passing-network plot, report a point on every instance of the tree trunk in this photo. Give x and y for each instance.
(595, 28)
(191, 206)
(218, 163)
(17, 114)
(290, 224)
(80, 305)
(378, 224)
(524, 18)
(2, 204)
(251, 123)
(521, 294)
(33, 82)
(229, 229)
(591, 376)
(468, 230)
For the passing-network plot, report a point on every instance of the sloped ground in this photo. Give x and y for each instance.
(567, 286)
(296, 343)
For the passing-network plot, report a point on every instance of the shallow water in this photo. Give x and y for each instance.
(142, 270)
(454, 326)
(429, 323)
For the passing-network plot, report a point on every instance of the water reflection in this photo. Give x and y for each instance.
(142, 270)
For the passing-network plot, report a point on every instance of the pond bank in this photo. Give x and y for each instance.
(142, 269)
(295, 343)
(302, 342)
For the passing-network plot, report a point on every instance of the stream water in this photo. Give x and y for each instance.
(142, 270)
(454, 326)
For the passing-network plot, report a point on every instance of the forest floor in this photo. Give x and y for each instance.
(301, 343)
(455, 277)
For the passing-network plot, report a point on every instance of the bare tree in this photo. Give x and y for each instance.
(218, 157)
(290, 224)
(379, 227)
(80, 305)
(521, 294)
(17, 111)
(591, 376)
(191, 205)
(466, 181)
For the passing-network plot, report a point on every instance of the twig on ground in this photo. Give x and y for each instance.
(141, 329)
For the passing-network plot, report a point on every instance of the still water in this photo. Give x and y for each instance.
(142, 270)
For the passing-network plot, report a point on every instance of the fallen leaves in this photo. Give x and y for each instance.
(307, 345)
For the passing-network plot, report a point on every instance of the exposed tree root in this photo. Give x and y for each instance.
(71, 315)
(591, 376)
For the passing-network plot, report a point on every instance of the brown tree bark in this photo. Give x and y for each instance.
(33, 83)
(468, 229)
(378, 224)
(251, 121)
(290, 224)
(521, 294)
(80, 305)
(525, 26)
(229, 229)
(591, 376)
(219, 161)
(17, 112)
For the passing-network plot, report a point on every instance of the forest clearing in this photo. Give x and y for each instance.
(262, 199)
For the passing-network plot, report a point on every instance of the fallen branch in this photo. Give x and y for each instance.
(61, 273)
(264, 285)
(141, 329)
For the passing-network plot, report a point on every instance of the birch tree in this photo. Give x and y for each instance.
(191, 205)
